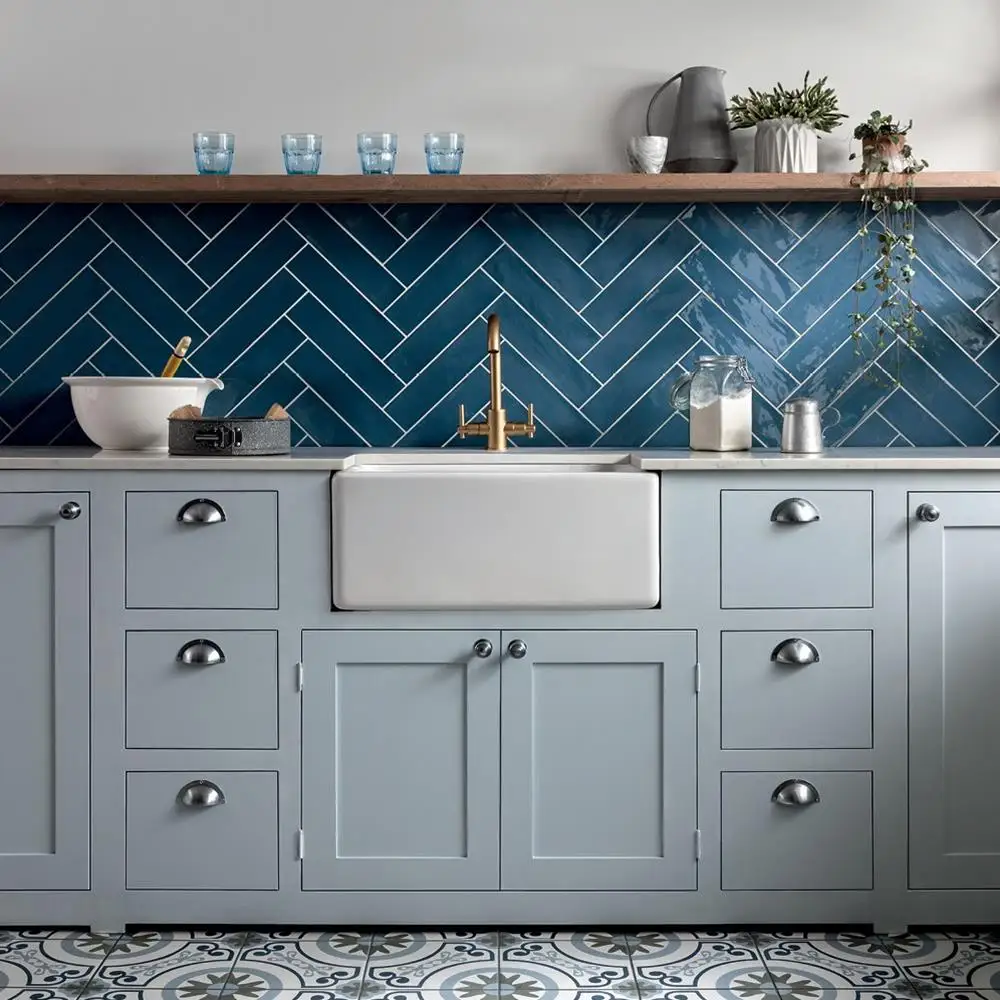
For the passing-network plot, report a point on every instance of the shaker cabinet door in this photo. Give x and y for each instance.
(599, 756)
(400, 760)
(44, 691)
(954, 633)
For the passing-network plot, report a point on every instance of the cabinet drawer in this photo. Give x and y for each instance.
(788, 690)
(813, 845)
(212, 549)
(201, 690)
(222, 834)
(786, 550)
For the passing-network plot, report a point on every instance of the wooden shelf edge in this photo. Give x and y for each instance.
(476, 188)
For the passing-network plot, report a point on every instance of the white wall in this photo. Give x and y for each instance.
(537, 85)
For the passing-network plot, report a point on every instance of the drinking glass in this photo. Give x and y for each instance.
(444, 152)
(302, 152)
(213, 152)
(377, 151)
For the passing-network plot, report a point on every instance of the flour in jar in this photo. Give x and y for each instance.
(722, 424)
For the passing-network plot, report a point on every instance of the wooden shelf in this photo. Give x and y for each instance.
(482, 188)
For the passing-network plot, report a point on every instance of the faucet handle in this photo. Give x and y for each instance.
(461, 420)
(530, 429)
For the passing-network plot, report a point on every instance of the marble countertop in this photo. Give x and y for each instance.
(665, 460)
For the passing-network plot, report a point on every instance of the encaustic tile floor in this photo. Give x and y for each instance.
(476, 965)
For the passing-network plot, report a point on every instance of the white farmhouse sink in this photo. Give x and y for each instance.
(480, 536)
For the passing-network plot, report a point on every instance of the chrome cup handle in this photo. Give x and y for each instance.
(201, 653)
(794, 510)
(795, 653)
(201, 511)
(201, 794)
(795, 792)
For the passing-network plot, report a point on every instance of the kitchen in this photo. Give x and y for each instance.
(462, 674)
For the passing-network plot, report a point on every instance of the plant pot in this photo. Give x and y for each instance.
(887, 149)
(785, 146)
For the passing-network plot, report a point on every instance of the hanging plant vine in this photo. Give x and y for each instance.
(888, 319)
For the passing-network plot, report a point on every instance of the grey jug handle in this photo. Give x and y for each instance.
(653, 100)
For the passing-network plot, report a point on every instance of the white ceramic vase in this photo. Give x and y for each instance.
(785, 146)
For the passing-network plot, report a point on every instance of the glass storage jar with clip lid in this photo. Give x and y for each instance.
(718, 398)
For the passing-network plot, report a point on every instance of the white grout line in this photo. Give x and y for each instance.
(221, 231)
(113, 339)
(336, 413)
(621, 416)
(604, 239)
(352, 237)
(18, 234)
(472, 415)
(558, 246)
(274, 369)
(826, 215)
(821, 269)
(749, 240)
(406, 239)
(142, 319)
(263, 333)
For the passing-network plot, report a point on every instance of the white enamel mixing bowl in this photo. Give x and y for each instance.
(130, 414)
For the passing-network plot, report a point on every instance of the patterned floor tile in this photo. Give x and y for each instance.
(665, 961)
(158, 962)
(332, 961)
(830, 960)
(514, 987)
(567, 960)
(945, 961)
(435, 961)
(54, 960)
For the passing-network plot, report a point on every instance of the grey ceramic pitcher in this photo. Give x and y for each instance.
(700, 141)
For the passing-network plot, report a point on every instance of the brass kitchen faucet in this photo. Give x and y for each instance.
(496, 428)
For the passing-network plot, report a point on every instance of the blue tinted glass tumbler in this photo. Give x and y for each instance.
(302, 152)
(377, 152)
(213, 152)
(444, 152)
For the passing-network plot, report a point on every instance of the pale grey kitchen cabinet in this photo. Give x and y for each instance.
(44, 691)
(954, 641)
(599, 760)
(400, 759)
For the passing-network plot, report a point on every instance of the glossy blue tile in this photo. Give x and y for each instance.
(539, 301)
(442, 326)
(44, 232)
(651, 314)
(564, 227)
(644, 274)
(306, 306)
(545, 354)
(643, 371)
(960, 226)
(350, 353)
(237, 286)
(23, 299)
(762, 227)
(723, 336)
(541, 254)
(145, 297)
(437, 236)
(233, 240)
(446, 274)
(918, 426)
(737, 252)
(369, 227)
(357, 409)
(123, 228)
(745, 308)
(344, 301)
(245, 325)
(63, 311)
(634, 229)
(173, 227)
(351, 259)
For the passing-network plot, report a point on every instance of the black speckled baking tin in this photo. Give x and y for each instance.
(230, 436)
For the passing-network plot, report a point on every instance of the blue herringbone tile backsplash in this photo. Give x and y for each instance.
(367, 322)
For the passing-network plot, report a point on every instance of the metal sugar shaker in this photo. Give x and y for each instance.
(802, 429)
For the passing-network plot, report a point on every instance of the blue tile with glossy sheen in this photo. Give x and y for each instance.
(369, 321)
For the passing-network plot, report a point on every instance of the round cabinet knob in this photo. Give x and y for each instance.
(201, 653)
(794, 510)
(517, 649)
(483, 648)
(201, 511)
(795, 792)
(70, 510)
(928, 512)
(795, 653)
(201, 794)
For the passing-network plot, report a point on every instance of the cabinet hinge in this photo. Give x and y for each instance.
(697, 845)
(697, 678)
(300, 845)
(300, 675)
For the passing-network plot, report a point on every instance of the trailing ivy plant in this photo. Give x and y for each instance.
(888, 320)
(814, 105)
